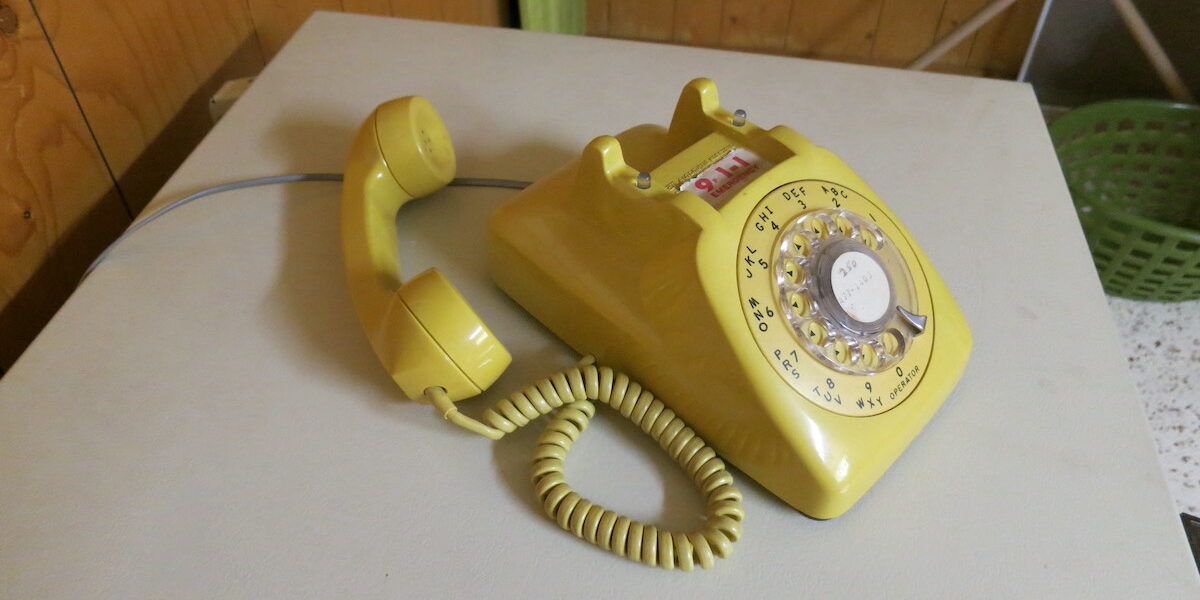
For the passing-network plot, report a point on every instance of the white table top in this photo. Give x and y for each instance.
(204, 418)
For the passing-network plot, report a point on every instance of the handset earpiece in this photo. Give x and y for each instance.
(424, 332)
(414, 144)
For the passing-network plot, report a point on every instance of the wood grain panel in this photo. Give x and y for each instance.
(163, 155)
(473, 12)
(368, 7)
(953, 15)
(462, 11)
(651, 20)
(417, 9)
(834, 30)
(142, 72)
(276, 20)
(597, 17)
(495, 13)
(25, 314)
(1000, 45)
(883, 32)
(698, 22)
(133, 65)
(54, 188)
(760, 25)
(906, 29)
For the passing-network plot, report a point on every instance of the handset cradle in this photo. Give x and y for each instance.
(756, 281)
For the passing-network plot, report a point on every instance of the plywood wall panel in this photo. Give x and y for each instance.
(462, 11)
(882, 32)
(137, 68)
(652, 20)
(906, 29)
(276, 20)
(835, 30)
(495, 13)
(417, 9)
(367, 7)
(760, 25)
(953, 15)
(597, 17)
(699, 22)
(999, 47)
(54, 186)
(51, 172)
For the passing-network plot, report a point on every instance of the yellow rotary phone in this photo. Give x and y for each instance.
(747, 276)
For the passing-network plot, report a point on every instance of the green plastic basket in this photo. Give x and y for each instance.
(1133, 167)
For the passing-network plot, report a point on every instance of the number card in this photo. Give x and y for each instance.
(722, 181)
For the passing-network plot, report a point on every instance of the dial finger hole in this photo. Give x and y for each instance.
(892, 343)
(816, 226)
(799, 304)
(839, 351)
(799, 245)
(869, 356)
(844, 226)
(872, 239)
(792, 272)
(815, 333)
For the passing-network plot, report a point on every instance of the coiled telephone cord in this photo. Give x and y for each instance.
(572, 391)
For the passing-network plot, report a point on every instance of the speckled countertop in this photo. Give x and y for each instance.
(1162, 342)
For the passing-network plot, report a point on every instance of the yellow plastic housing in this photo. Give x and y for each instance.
(424, 332)
(646, 280)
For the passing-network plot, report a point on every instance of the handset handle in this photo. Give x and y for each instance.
(423, 331)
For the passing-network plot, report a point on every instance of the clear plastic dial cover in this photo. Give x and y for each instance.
(851, 280)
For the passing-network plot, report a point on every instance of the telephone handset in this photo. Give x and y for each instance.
(747, 275)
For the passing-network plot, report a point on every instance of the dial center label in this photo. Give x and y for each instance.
(860, 286)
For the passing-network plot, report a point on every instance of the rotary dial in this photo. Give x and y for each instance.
(835, 297)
